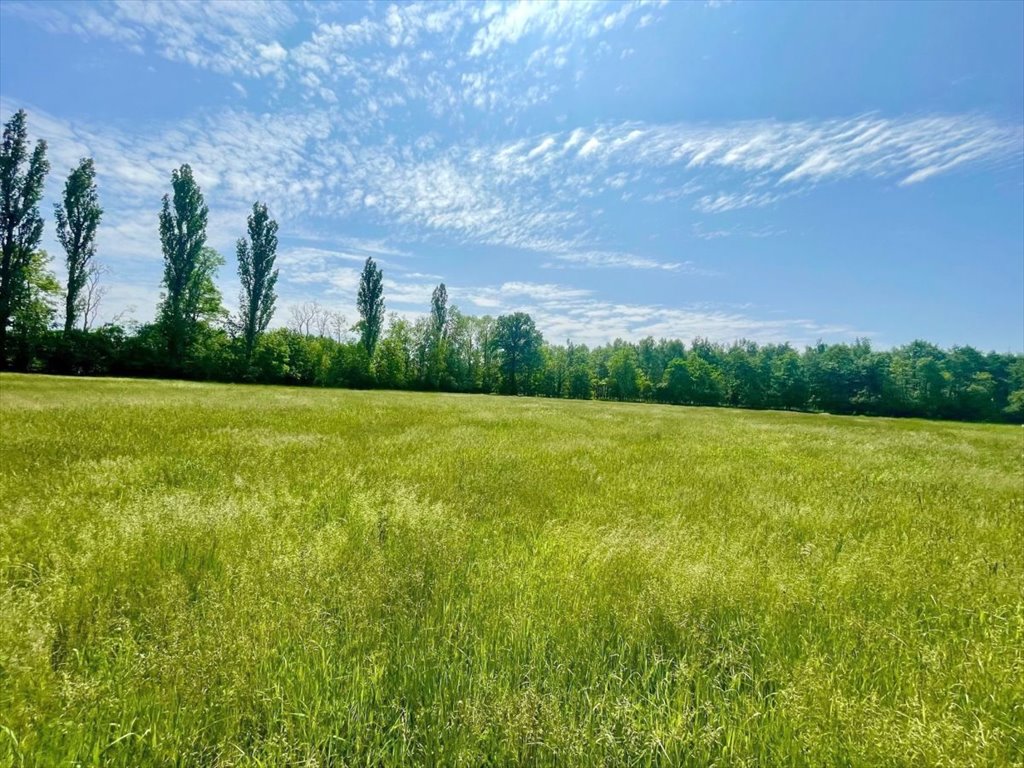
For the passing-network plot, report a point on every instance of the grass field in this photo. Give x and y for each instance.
(222, 575)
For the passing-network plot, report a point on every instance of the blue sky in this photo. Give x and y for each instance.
(732, 170)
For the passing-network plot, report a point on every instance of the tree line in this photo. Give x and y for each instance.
(193, 336)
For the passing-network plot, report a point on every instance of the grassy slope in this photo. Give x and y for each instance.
(227, 575)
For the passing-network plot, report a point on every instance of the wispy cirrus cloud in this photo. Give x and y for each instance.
(731, 201)
(766, 161)
(611, 260)
(364, 64)
(237, 37)
(508, 24)
(372, 60)
(530, 194)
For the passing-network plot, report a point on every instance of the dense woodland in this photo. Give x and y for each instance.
(49, 327)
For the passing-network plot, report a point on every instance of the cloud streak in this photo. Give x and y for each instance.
(769, 160)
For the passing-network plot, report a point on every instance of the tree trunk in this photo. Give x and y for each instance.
(69, 314)
(4, 319)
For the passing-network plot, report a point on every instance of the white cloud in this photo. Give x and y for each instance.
(348, 61)
(274, 53)
(522, 17)
(725, 201)
(604, 259)
(541, 148)
(545, 291)
(557, 19)
(563, 312)
(225, 37)
(765, 161)
(529, 193)
(807, 150)
(590, 148)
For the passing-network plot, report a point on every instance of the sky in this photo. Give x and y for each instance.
(771, 172)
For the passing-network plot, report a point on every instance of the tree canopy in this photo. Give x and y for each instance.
(257, 274)
(518, 345)
(370, 302)
(21, 226)
(186, 270)
(78, 216)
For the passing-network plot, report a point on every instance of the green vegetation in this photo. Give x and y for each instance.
(215, 575)
(195, 337)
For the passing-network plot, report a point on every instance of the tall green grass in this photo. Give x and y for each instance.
(221, 575)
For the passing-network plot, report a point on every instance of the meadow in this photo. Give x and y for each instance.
(224, 575)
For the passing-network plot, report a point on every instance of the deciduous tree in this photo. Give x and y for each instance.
(623, 374)
(182, 235)
(518, 343)
(21, 226)
(370, 303)
(92, 294)
(676, 384)
(78, 215)
(258, 276)
(437, 353)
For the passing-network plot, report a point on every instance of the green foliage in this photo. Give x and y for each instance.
(392, 366)
(187, 268)
(208, 306)
(676, 385)
(787, 387)
(211, 355)
(624, 375)
(218, 575)
(271, 357)
(35, 309)
(21, 226)
(257, 275)
(706, 386)
(439, 310)
(203, 321)
(435, 354)
(917, 380)
(78, 215)
(1015, 389)
(460, 353)
(89, 353)
(579, 384)
(36, 301)
(517, 344)
(349, 367)
(311, 360)
(370, 303)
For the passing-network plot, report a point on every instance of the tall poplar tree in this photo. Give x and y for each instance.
(370, 303)
(182, 235)
(21, 226)
(436, 340)
(439, 310)
(78, 216)
(258, 275)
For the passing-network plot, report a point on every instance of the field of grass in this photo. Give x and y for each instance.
(214, 575)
